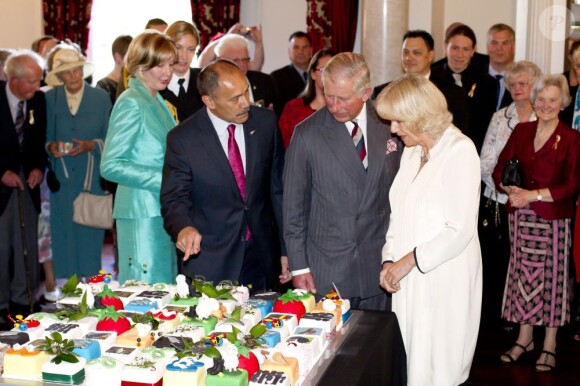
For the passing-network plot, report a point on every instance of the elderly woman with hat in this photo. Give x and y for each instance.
(77, 122)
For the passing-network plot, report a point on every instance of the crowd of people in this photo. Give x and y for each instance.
(399, 197)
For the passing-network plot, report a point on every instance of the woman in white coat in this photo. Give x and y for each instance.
(431, 258)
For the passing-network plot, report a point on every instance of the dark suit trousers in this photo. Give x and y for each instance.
(13, 275)
(252, 272)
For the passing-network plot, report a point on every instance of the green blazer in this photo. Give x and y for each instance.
(135, 149)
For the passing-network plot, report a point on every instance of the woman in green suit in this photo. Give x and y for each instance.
(133, 158)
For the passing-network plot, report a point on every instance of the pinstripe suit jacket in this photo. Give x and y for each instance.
(336, 215)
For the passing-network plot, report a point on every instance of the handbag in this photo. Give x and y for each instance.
(93, 210)
(52, 180)
(511, 174)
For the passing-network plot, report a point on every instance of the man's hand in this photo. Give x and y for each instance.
(304, 281)
(12, 180)
(286, 275)
(189, 242)
(34, 178)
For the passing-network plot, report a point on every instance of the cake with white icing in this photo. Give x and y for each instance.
(142, 371)
(64, 372)
(104, 368)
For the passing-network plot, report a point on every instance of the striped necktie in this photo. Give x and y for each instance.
(19, 123)
(359, 143)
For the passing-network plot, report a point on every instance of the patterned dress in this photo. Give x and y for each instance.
(537, 292)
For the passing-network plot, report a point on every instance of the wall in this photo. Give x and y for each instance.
(435, 15)
(20, 23)
(279, 19)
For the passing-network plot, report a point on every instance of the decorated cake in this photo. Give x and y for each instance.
(209, 335)
(104, 368)
(185, 371)
(64, 372)
(21, 363)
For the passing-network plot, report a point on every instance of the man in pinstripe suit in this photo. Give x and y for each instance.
(336, 189)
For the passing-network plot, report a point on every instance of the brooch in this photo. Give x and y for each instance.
(31, 117)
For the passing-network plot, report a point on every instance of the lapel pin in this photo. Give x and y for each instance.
(31, 117)
(252, 132)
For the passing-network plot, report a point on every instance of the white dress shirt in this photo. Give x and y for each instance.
(221, 128)
(173, 85)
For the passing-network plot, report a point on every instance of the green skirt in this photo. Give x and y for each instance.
(146, 252)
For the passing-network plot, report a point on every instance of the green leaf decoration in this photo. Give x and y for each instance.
(231, 338)
(212, 352)
(146, 318)
(209, 290)
(288, 296)
(258, 330)
(70, 358)
(62, 349)
(108, 293)
(108, 313)
(243, 350)
(237, 313)
(70, 287)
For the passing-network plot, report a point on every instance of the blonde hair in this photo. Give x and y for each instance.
(556, 80)
(416, 101)
(523, 67)
(348, 65)
(179, 29)
(148, 50)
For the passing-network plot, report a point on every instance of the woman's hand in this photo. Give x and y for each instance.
(81, 147)
(54, 149)
(393, 273)
(520, 198)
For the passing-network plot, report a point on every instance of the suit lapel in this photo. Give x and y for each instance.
(208, 136)
(376, 145)
(252, 151)
(341, 145)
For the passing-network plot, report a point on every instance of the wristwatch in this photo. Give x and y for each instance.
(539, 196)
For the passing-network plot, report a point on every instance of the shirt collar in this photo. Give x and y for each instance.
(493, 72)
(173, 83)
(221, 126)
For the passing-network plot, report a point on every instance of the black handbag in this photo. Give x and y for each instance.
(511, 174)
(52, 181)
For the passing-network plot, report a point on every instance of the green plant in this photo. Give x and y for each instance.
(62, 349)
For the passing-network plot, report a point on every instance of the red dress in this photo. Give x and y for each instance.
(294, 112)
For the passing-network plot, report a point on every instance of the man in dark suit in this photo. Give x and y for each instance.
(501, 41)
(235, 48)
(222, 180)
(416, 57)
(22, 164)
(479, 88)
(290, 80)
(340, 166)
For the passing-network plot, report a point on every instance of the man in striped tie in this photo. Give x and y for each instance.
(22, 164)
(339, 168)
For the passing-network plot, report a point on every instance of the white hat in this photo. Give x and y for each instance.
(65, 59)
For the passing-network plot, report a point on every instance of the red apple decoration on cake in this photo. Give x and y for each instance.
(289, 303)
(111, 320)
(107, 298)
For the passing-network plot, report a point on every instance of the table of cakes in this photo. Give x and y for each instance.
(366, 350)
